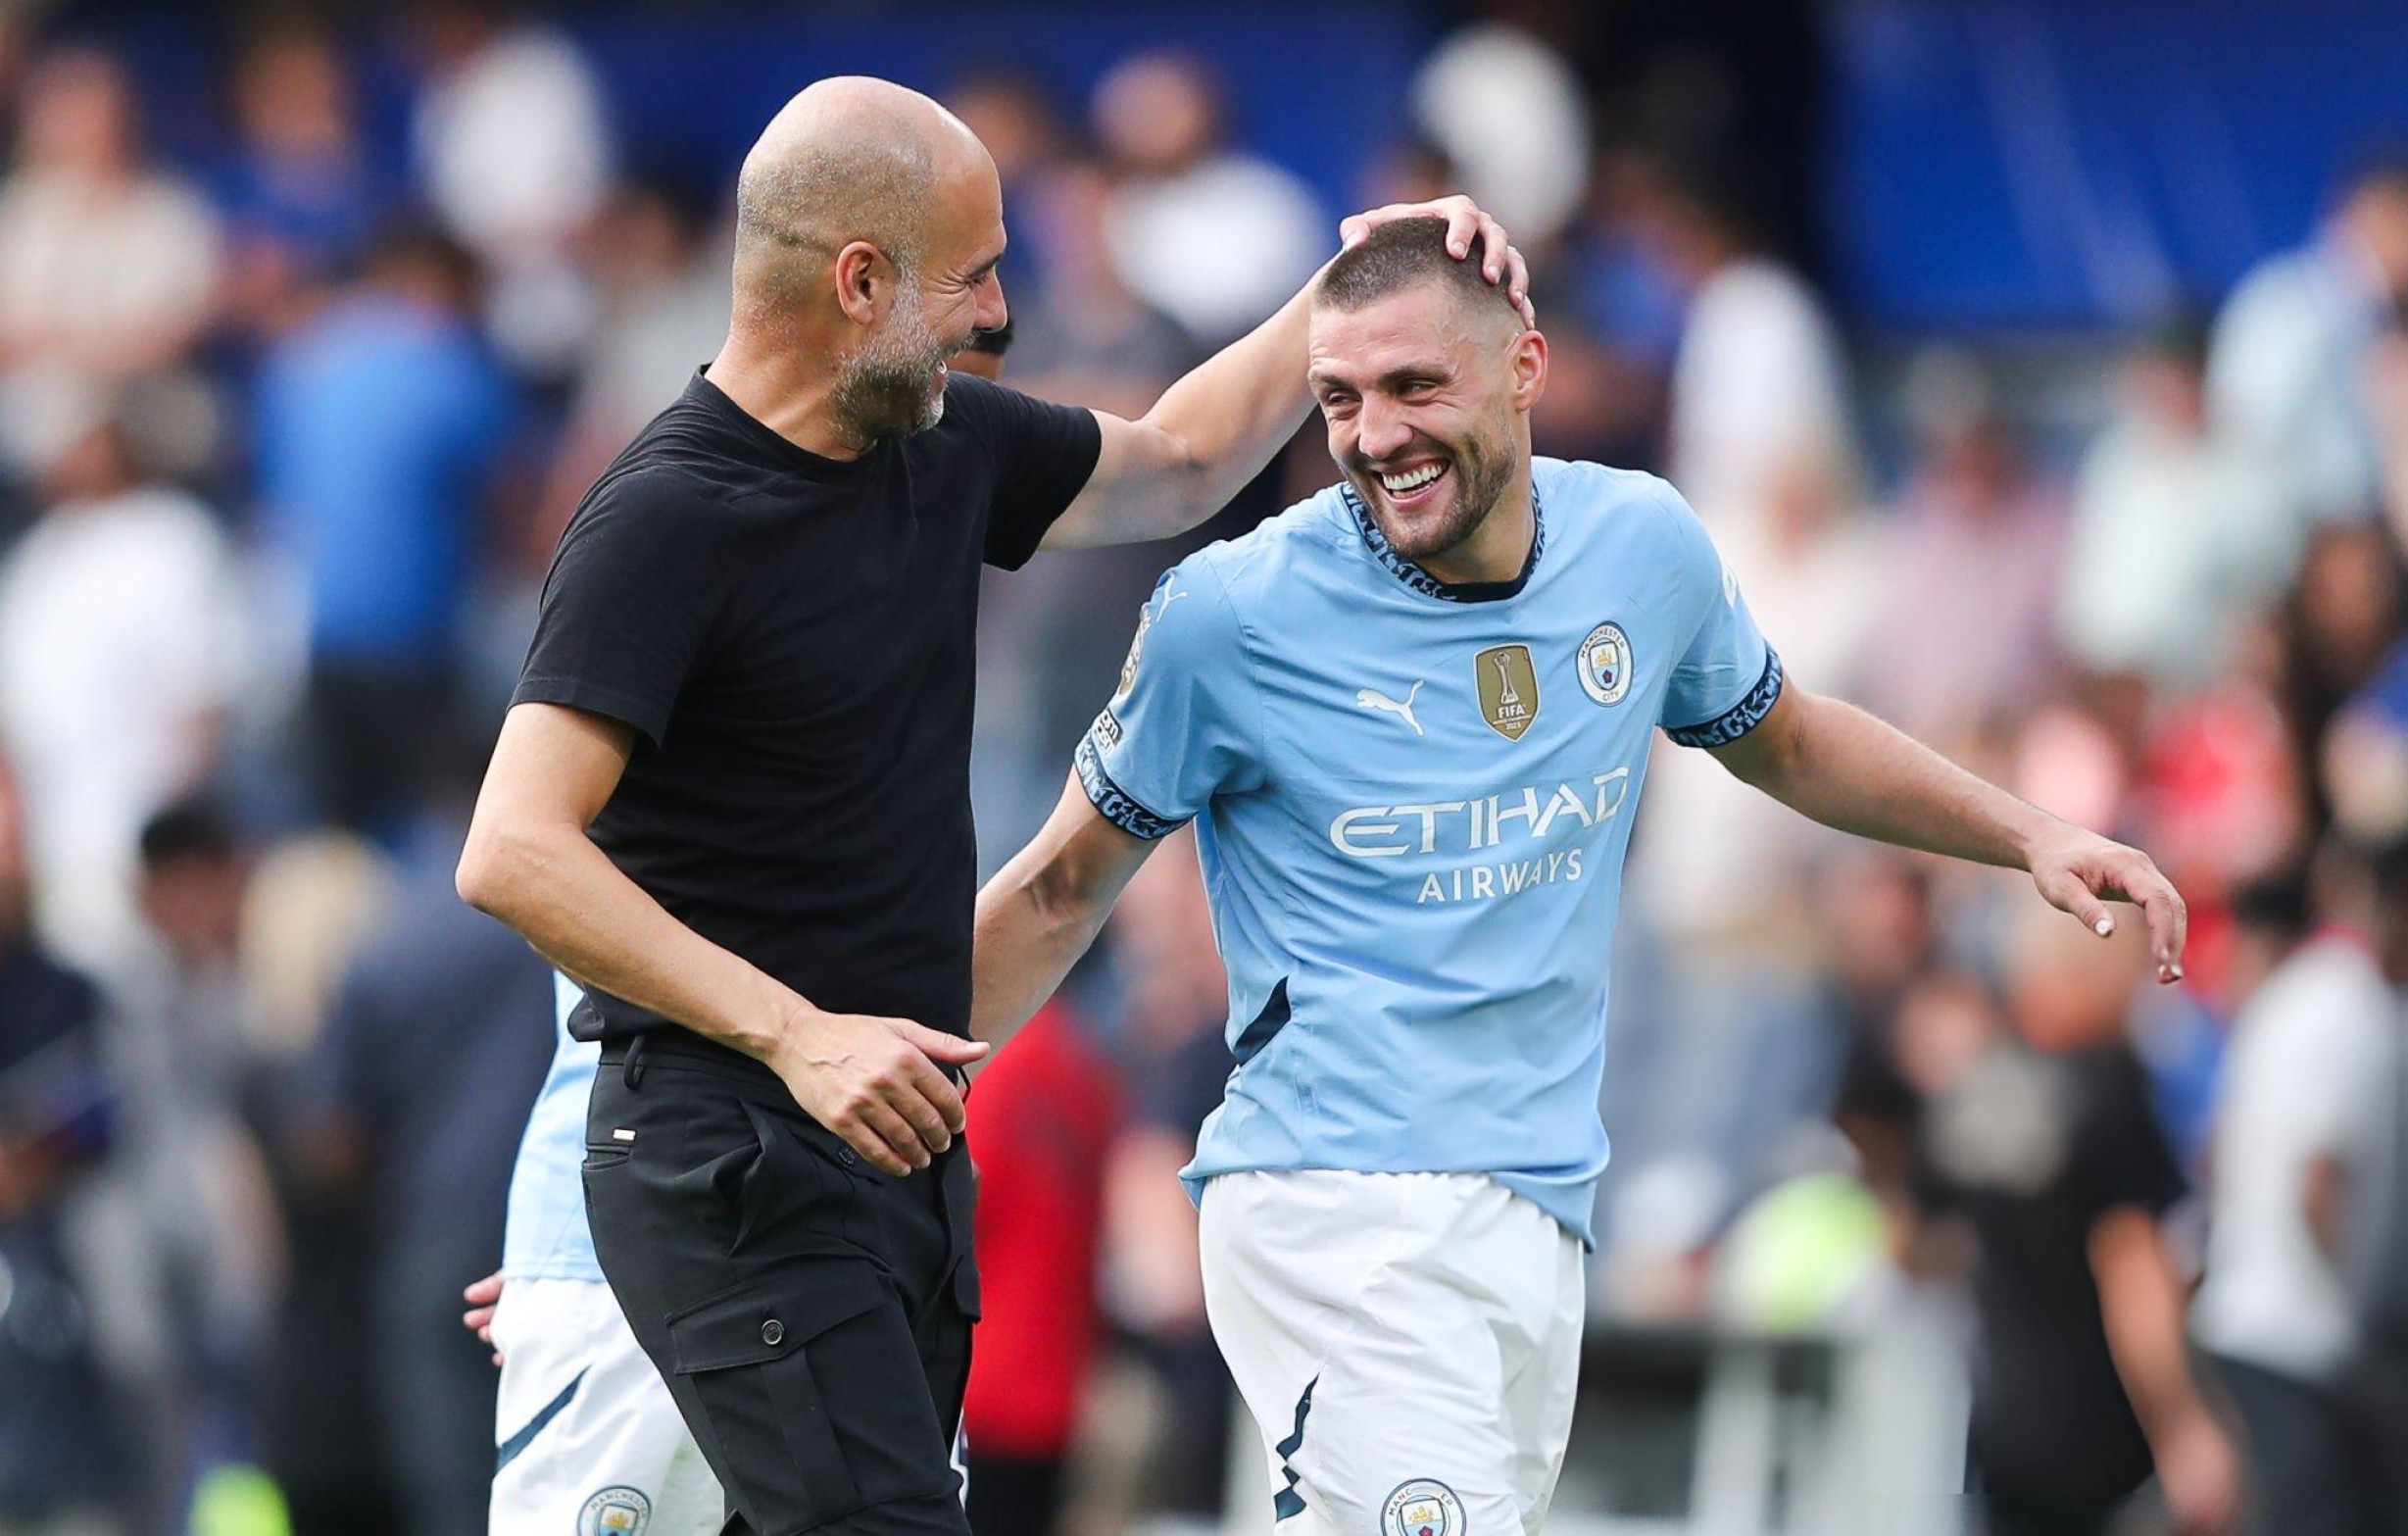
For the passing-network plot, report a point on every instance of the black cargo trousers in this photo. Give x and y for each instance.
(811, 1314)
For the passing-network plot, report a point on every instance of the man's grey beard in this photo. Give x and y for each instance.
(1481, 476)
(887, 389)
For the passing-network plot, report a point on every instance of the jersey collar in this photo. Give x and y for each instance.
(1422, 581)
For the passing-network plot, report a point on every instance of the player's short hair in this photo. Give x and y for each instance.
(1404, 254)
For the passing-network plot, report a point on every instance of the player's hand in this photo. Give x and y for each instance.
(878, 1084)
(1500, 262)
(482, 1298)
(2201, 1475)
(2080, 873)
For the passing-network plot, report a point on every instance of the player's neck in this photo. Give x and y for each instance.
(789, 399)
(1500, 548)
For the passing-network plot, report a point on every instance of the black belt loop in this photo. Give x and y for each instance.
(631, 1072)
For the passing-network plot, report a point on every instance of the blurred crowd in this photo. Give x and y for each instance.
(290, 417)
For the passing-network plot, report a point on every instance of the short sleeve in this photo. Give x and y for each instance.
(1184, 723)
(628, 605)
(1727, 677)
(2125, 1161)
(1044, 456)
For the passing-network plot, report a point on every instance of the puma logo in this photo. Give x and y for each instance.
(1373, 699)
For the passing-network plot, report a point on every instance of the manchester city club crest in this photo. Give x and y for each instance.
(1604, 663)
(1422, 1506)
(1509, 689)
(614, 1511)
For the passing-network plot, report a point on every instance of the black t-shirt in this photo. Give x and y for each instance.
(793, 639)
(2031, 1151)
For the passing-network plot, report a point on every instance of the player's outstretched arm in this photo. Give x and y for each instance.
(1847, 769)
(1214, 430)
(1042, 910)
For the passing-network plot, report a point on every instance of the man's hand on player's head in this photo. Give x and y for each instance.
(878, 1084)
(1500, 262)
(2079, 871)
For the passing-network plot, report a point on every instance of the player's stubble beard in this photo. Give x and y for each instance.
(1481, 465)
(892, 387)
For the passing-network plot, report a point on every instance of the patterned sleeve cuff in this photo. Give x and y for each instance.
(1741, 718)
(1114, 804)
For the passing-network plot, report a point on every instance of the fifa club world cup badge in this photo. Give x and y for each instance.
(614, 1511)
(1509, 689)
(1422, 1506)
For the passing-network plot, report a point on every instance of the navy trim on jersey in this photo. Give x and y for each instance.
(1741, 718)
(1115, 804)
(1428, 585)
(1271, 1021)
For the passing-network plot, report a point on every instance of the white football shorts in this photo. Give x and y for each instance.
(1408, 1344)
(587, 1438)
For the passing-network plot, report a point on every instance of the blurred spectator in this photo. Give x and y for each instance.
(2290, 371)
(1759, 387)
(1051, 634)
(123, 649)
(1716, 857)
(1507, 112)
(1174, 1013)
(2311, 1049)
(664, 290)
(2339, 621)
(438, 1038)
(2373, 1208)
(2177, 535)
(63, 1467)
(514, 152)
(1966, 635)
(301, 195)
(1040, 1125)
(1211, 237)
(2038, 1145)
(377, 427)
(211, 1248)
(1014, 117)
(108, 267)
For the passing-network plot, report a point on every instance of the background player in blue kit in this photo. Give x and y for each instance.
(1412, 717)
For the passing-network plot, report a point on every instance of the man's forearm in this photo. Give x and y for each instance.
(1025, 944)
(1861, 774)
(565, 898)
(1236, 408)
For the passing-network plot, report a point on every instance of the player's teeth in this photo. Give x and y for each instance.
(1417, 478)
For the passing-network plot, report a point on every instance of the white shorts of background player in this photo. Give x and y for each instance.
(588, 1439)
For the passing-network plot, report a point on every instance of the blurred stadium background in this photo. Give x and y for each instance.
(2041, 367)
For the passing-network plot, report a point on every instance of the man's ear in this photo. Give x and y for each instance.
(1528, 365)
(864, 282)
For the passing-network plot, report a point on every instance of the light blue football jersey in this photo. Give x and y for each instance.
(544, 1235)
(1413, 804)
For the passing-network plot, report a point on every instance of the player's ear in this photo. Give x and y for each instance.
(1528, 362)
(864, 282)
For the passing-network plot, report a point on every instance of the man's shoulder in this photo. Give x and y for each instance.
(1308, 537)
(1591, 506)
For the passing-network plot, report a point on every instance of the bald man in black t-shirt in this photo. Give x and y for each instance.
(731, 797)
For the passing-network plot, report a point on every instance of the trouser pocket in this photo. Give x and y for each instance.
(811, 1395)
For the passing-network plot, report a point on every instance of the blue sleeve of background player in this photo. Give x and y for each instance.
(1727, 679)
(1184, 723)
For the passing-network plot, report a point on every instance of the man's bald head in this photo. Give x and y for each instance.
(848, 159)
(869, 225)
